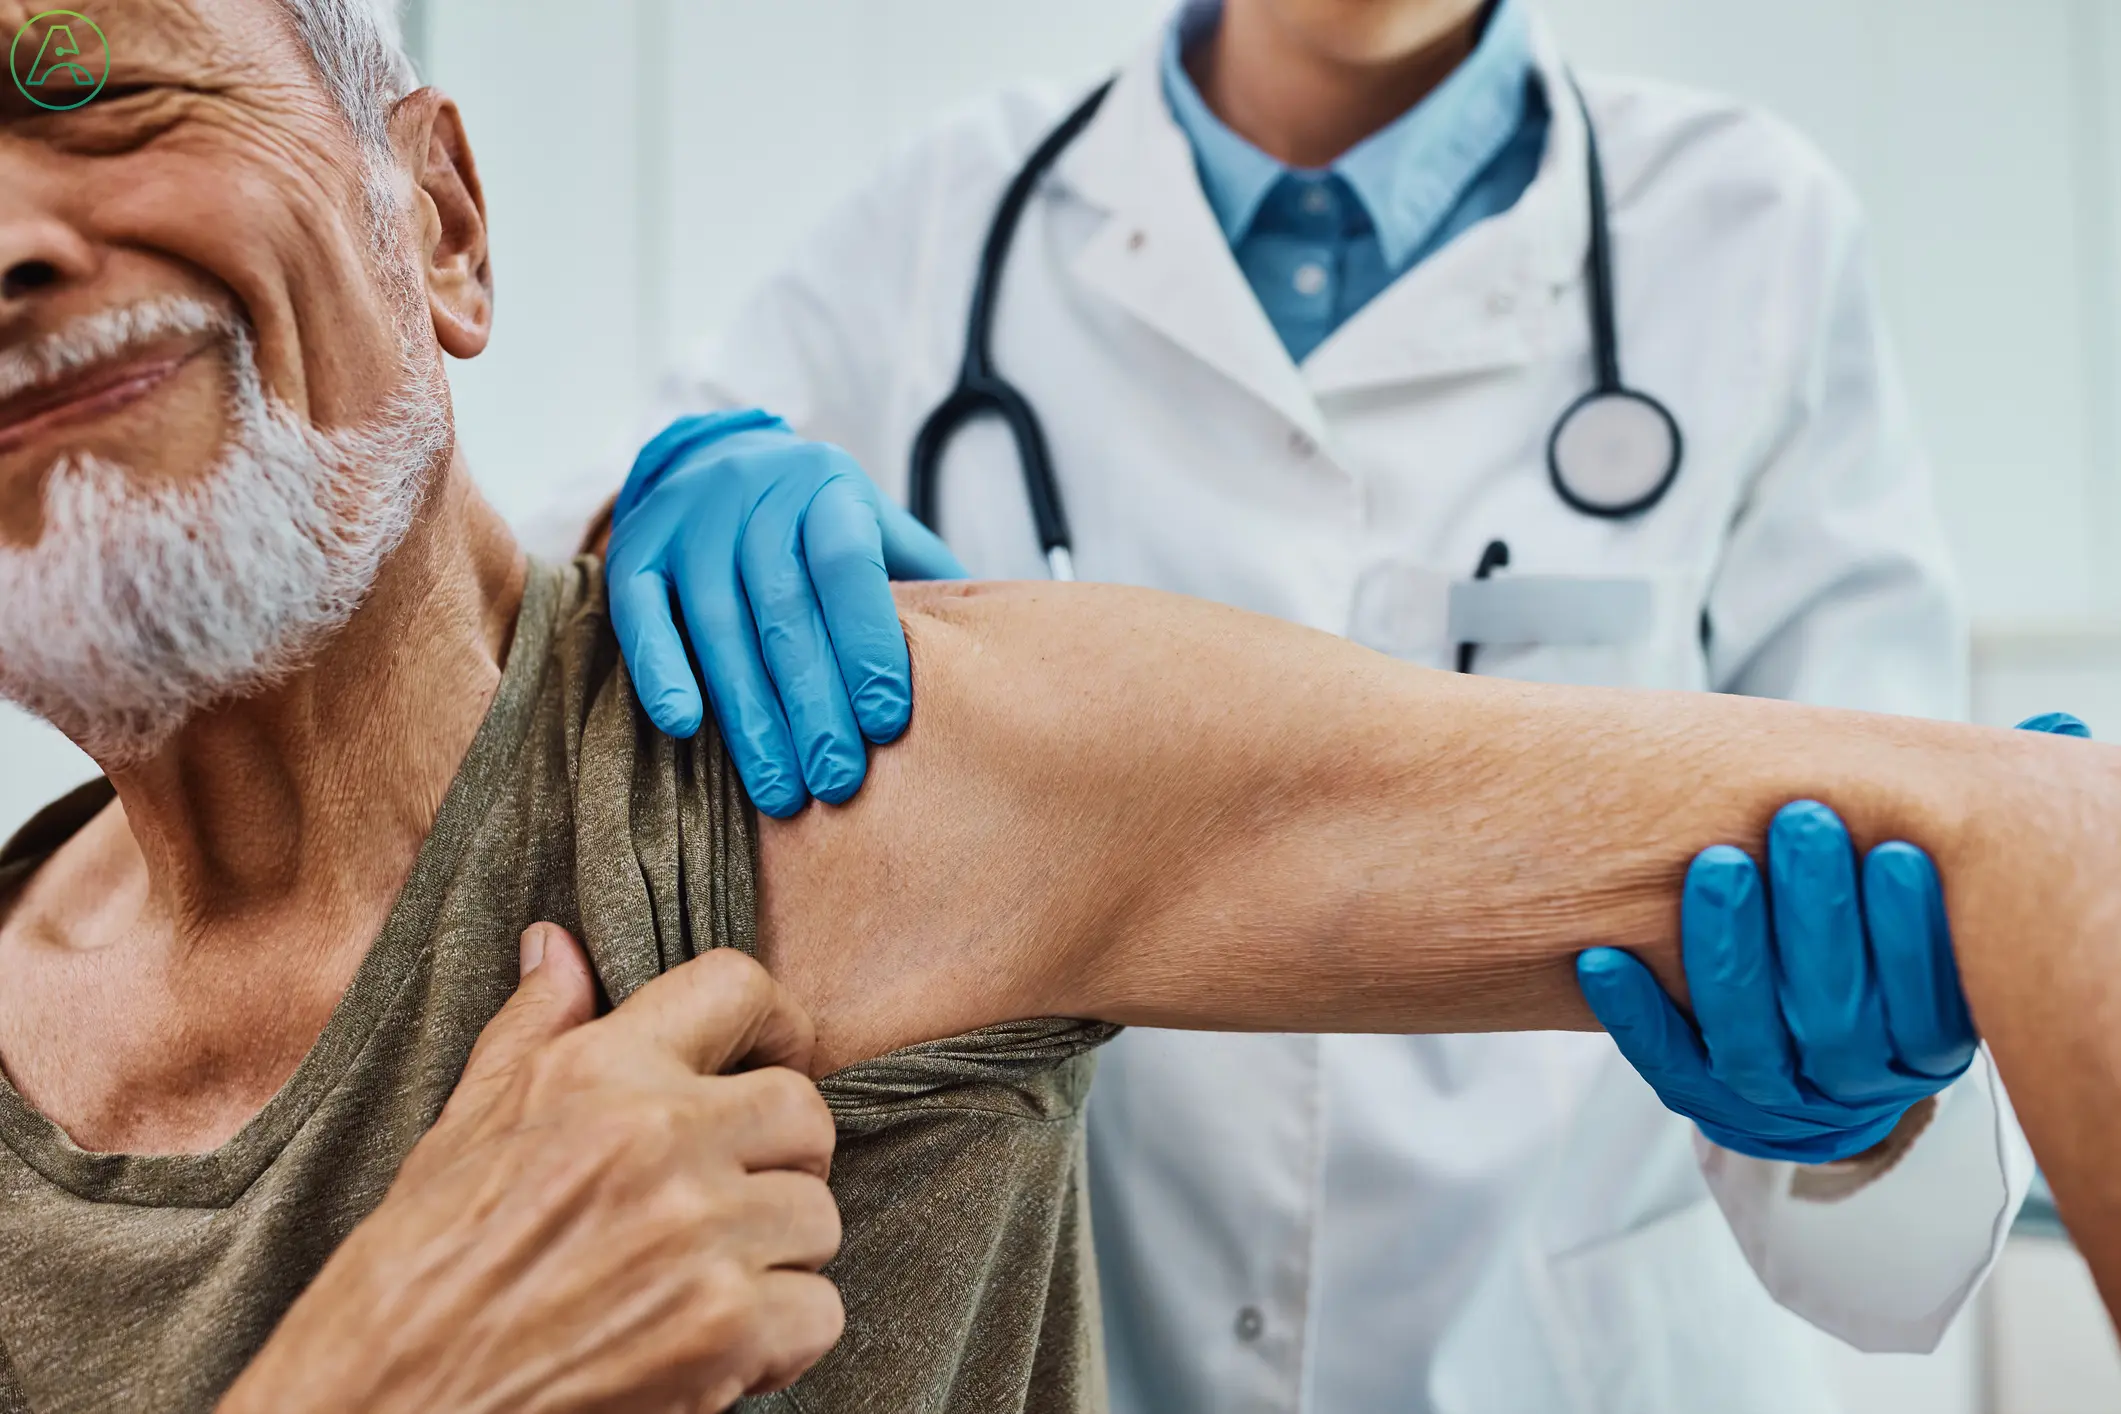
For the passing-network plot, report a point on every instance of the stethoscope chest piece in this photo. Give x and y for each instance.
(1614, 453)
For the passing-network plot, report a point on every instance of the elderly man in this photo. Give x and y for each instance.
(355, 743)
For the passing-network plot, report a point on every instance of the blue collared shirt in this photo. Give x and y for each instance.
(1316, 246)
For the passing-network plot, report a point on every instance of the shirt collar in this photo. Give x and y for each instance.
(1235, 175)
(1409, 174)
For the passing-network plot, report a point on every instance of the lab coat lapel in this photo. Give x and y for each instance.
(1503, 293)
(1161, 254)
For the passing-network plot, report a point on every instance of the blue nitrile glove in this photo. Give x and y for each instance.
(1817, 1032)
(781, 553)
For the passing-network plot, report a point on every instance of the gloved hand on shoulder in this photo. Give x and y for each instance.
(779, 553)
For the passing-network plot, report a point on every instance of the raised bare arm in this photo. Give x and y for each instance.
(1124, 805)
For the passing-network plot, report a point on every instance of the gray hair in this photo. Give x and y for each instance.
(359, 50)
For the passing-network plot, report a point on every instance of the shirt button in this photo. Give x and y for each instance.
(1318, 201)
(1250, 1324)
(1310, 279)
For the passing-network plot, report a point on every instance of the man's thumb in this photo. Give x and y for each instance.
(557, 994)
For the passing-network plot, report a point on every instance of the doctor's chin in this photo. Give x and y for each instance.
(1290, 706)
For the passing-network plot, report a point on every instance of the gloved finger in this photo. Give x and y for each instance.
(2056, 724)
(1829, 997)
(843, 544)
(1649, 1030)
(746, 707)
(798, 650)
(644, 619)
(1918, 978)
(913, 551)
(1730, 973)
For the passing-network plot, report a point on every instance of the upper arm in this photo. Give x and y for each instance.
(1132, 807)
(1081, 774)
(964, 883)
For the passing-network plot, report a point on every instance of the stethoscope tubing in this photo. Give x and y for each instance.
(981, 390)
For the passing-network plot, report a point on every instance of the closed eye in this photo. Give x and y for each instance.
(122, 118)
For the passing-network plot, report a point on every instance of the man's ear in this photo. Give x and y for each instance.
(449, 218)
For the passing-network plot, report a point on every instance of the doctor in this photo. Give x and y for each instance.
(1302, 307)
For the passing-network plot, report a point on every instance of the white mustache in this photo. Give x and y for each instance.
(100, 338)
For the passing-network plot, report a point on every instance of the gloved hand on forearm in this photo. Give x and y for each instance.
(1822, 1012)
(780, 553)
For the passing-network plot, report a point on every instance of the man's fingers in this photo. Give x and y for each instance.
(843, 545)
(790, 1221)
(800, 1318)
(558, 993)
(775, 1119)
(1730, 971)
(718, 1013)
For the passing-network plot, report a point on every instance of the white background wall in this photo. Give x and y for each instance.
(646, 159)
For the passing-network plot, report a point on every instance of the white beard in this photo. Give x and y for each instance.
(138, 607)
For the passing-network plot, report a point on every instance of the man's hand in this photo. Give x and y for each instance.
(781, 554)
(601, 1219)
(1821, 1020)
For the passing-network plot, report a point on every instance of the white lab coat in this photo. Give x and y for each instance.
(1343, 1225)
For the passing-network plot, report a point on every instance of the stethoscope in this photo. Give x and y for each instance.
(1614, 453)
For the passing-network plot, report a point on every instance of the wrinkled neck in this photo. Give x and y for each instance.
(319, 790)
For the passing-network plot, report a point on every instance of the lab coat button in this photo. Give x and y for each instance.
(1137, 240)
(1302, 445)
(1501, 302)
(1250, 1324)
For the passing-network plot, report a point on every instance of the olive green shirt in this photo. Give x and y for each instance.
(133, 1282)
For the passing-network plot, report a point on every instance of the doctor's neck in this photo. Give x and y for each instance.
(1305, 80)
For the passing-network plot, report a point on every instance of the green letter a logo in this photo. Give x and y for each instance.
(59, 46)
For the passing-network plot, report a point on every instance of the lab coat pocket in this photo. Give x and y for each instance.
(1600, 630)
(1669, 1319)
